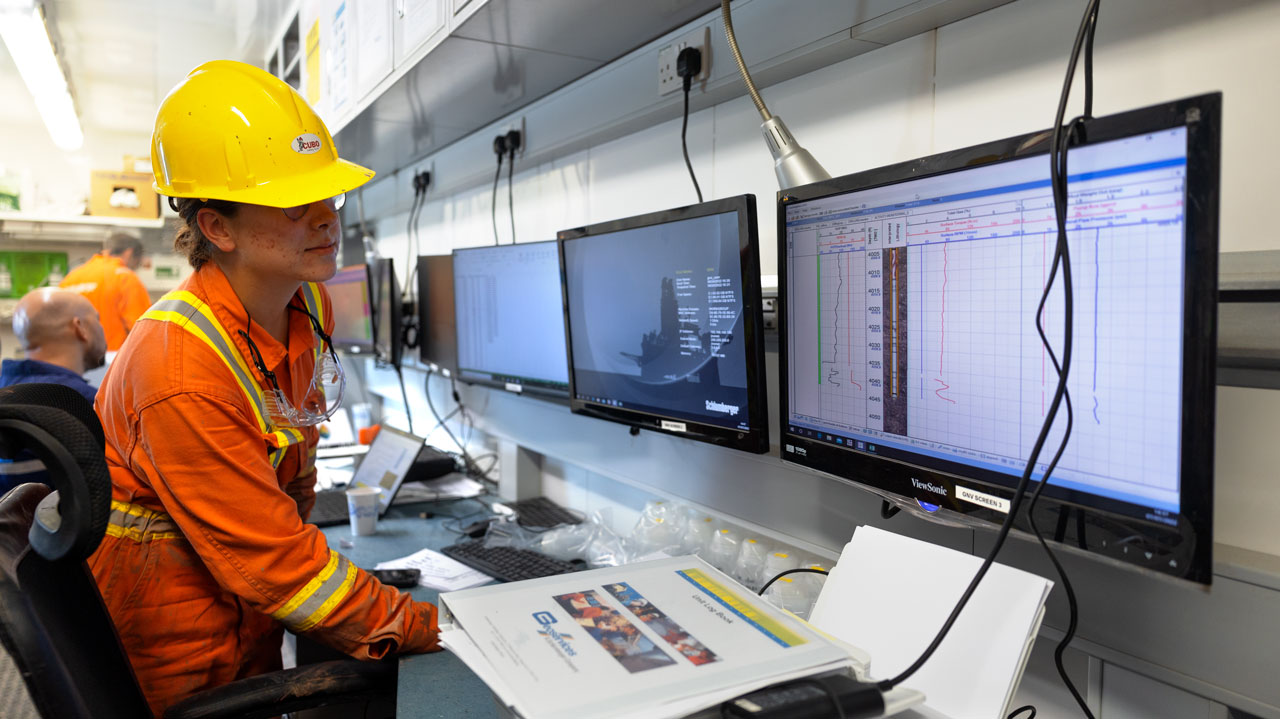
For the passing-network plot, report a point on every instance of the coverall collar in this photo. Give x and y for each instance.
(213, 285)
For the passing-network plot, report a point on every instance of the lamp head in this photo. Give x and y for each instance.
(791, 163)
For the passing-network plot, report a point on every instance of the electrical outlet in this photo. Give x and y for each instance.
(769, 309)
(668, 80)
(517, 124)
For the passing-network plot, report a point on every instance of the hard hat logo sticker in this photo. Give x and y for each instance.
(306, 144)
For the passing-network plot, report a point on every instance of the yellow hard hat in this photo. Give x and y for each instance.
(231, 131)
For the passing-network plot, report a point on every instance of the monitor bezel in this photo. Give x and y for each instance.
(394, 351)
(1190, 545)
(444, 359)
(755, 439)
(345, 344)
(538, 388)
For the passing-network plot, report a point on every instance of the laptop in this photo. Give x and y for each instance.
(385, 465)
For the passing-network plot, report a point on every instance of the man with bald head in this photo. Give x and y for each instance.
(60, 333)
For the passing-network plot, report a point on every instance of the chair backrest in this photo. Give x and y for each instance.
(52, 619)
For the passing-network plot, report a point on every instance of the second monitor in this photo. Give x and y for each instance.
(510, 324)
(664, 323)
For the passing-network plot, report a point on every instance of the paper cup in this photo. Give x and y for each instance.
(362, 508)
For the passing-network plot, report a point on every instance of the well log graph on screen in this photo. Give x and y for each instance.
(926, 329)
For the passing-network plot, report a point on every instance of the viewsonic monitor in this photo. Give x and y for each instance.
(665, 332)
(388, 337)
(510, 318)
(352, 309)
(437, 334)
(909, 356)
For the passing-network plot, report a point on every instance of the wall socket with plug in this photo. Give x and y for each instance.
(517, 124)
(668, 80)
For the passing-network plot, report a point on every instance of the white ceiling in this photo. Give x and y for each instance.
(123, 56)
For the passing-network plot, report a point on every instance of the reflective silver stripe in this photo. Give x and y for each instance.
(24, 467)
(201, 322)
(311, 297)
(139, 523)
(316, 600)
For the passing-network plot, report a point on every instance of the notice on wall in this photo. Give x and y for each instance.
(339, 76)
(313, 63)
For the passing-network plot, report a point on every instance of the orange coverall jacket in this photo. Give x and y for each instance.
(206, 554)
(114, 291)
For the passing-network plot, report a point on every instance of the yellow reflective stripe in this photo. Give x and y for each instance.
(317, 599)
(181, 308)
(286, 436)
(206, 311)
(181, 320)
(311, 298)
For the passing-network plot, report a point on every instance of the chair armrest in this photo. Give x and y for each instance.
(306, 687)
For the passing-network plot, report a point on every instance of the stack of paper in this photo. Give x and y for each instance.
(658, 639)
(438, 571)
(450, 486)
(890, 595)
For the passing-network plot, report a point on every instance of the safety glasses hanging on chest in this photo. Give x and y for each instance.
(323, 396)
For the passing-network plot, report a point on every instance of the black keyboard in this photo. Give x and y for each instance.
(542, 512)
(508, 564)
(330, 508)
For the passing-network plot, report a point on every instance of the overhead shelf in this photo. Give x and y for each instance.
(506, 55)
(1249, 319)
(8, 218)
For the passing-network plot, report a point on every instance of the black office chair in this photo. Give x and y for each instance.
(52, 619)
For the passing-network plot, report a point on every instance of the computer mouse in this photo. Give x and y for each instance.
(476, 530)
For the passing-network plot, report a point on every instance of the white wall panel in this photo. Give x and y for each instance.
(991, 76)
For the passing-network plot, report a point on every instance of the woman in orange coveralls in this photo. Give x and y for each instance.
(211, 407)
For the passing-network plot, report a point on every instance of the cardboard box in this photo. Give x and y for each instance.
(122, 194)
(137, 163)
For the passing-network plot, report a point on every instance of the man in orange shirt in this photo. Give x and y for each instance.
(211, 411)
(109, 282)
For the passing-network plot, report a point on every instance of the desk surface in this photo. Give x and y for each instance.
(438, 684)
(430, 685)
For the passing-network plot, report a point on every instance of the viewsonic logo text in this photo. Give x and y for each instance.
(928, 487)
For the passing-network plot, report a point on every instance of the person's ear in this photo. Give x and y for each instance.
(216, 227)
(78, 327)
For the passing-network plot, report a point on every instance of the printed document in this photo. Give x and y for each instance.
(654, 639)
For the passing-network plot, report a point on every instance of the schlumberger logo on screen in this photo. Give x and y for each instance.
(729, 409)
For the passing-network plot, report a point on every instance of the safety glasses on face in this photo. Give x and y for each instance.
(323, 396)
(335, 203)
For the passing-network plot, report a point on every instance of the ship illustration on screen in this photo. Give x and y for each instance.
(679, 350)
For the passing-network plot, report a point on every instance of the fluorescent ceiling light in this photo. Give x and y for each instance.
(27, 38)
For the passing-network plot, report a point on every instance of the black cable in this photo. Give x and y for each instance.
(688, 64)
(511, 203)
(780, 575)
(684, 145)
(408, 413)
(1028, 707)
(409, 234)
(421, 182)
(1088, 63)
(1059, 178)
(1061, 257)
(493, 205)
(467, 461)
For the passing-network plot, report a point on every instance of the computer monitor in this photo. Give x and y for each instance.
(437, 334)
(511, 318)
(665, 331)
(909, 356)
(388, 337)
(352, 309)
